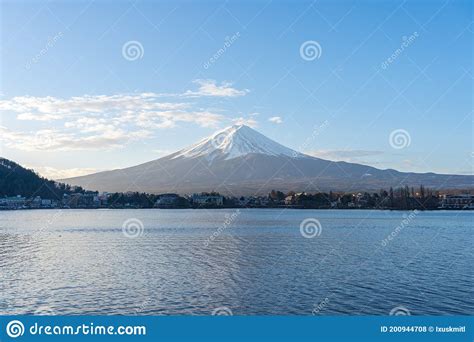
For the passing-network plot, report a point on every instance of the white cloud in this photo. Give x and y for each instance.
(245, 121)
(53, 108)
(96, 122)
(37, 117)
(276, 119)
(54, 140)
(211, 88)
(55, 173)
(168, 119)
(344, 155)
(106, 121)
(161, 152)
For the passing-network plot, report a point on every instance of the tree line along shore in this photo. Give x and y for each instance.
(403, 198)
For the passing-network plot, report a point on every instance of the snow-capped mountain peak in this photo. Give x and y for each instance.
(267, 169)
(236, 141)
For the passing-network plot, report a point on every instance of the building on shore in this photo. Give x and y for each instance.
(462, 201)
(79, 200)
(207, 200)
(167, 201)
(13, 202)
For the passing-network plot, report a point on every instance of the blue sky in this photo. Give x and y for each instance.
(75, 100)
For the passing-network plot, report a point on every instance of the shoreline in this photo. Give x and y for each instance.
(238, 208)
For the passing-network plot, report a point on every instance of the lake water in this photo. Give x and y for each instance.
(258, 262)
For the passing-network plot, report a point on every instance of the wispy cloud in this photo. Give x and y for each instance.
(56, 140)
(245, 121)
(55, 173)
(211, 88)
(53, 108)
(344, 155)
(107, 121)
(276, 119)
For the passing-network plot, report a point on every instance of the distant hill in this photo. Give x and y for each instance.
(240, 161)
(17, 180)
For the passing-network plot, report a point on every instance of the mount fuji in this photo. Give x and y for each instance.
(241, 161)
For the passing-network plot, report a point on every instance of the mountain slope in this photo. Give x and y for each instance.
(17, 180)
(240, 161)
